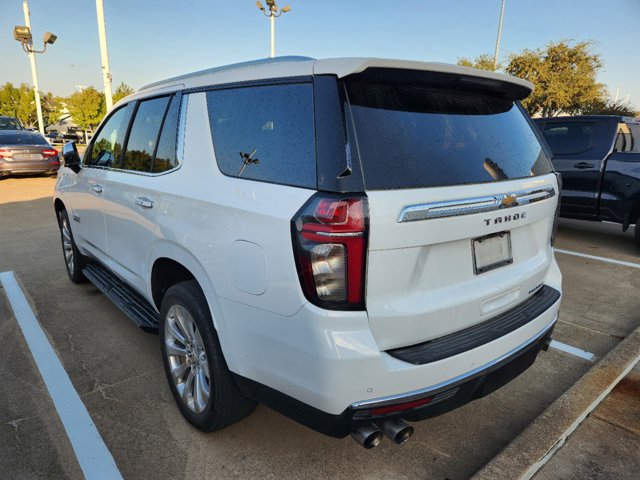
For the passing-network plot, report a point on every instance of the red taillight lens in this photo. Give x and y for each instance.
(330, 240)
(4, 153)
(49, 152)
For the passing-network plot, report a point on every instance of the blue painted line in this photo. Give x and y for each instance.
(94, 457)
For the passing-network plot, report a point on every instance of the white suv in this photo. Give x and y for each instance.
(353, 242)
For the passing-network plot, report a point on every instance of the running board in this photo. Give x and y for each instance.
(124, 297)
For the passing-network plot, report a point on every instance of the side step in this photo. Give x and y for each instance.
(124, 297)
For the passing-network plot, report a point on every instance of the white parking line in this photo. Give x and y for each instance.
(578, 352)
(600, 259)
(93, 455)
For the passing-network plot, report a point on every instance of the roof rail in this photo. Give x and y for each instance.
(251, 63)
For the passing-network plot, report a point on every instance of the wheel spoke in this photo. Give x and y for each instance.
(201, 391)
(187, 393)
(178, 371)
(173, 331)
(175, 349)
(183, 323)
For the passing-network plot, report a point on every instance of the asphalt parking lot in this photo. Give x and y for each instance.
(117, 371)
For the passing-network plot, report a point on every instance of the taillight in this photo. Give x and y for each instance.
(49, 152)
(330, 245)
(556, 216)
(4, 153)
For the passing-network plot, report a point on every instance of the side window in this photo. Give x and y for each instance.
(626, 141)
(568, 138)
(634, 133)
(107, 145)
(166, 154)
(265, 133)
(143, 138)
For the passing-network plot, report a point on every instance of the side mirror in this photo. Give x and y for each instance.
(71, 156)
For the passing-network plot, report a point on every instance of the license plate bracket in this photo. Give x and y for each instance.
(491, 252)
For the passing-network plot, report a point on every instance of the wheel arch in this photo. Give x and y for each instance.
(58, 206)
(169, 264)
(168, 255)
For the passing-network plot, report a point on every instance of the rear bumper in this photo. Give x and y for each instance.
(433, 401)
(25, 168)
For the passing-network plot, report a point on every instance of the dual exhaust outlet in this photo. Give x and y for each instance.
(370, 436)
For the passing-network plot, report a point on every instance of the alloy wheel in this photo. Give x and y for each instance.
(187, 359)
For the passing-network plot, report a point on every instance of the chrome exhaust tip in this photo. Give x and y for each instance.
(397, 430)
(368, 436)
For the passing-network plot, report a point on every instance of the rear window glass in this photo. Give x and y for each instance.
(22, 137)
(8, 123)
(265, 133)
(568, 138)
(413, 136)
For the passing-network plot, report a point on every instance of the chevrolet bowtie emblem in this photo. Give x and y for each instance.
(508, 201)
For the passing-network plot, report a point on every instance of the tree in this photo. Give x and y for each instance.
(564, 77)
(483, 62)
(122, 91)
(87, 108)
(20, 102)
(609, 107)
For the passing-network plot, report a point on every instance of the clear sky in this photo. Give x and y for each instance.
(153, 39)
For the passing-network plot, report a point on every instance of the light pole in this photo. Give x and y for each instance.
(104, 54)
(272, 11)
(495, 57)
(23, 35)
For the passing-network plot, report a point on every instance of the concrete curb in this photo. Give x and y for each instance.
(535, 446)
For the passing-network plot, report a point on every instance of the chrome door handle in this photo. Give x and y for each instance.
(96, 188)
(144, 202)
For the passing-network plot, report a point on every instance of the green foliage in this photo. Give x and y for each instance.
(483, 62)
(564, 77)
(20, 102)
(122, 91)
(87, 108)
(609, 107)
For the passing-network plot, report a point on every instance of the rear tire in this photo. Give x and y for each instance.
(195, 367)
(73, 259)
(636, 232)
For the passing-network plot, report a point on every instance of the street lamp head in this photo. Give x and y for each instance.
(259, 5)
(49, 38)
(272, 5)
(286, 9)
(22, 34)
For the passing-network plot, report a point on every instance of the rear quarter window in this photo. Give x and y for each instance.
(265, 133)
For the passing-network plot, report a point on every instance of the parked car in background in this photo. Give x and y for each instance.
(351, 285)
(55, 137)
(599, 159)
(24, 152)
(74, 135)
(10, 123)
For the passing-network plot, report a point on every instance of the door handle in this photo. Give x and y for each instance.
(96, 188)
(582, 165)
(144, 202)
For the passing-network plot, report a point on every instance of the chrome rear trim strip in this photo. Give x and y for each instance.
(454, 382)
(468, 206)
